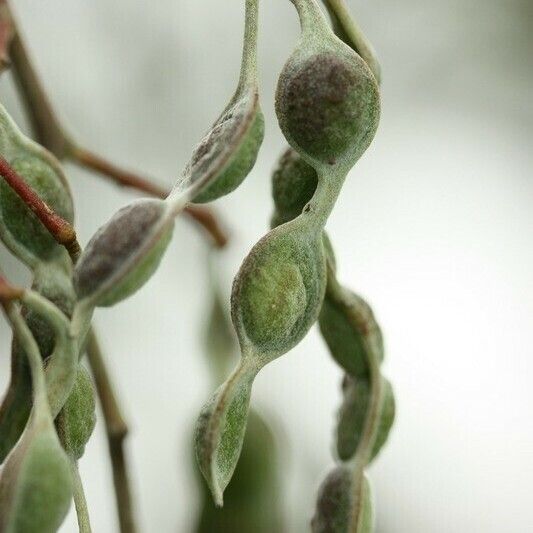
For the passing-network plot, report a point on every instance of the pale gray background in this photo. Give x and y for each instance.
(433, 227)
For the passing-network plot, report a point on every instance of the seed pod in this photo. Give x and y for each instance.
(54, 284)
(353, 413)
(123, 254)
(278, 291)
(20, 229)
(350, 330)
(252, 500)
(344, 504)
(221, 427)
(327, 100)
(293, 185)
(35, 483)
(75, 423)
(228, 152)
(276, 298)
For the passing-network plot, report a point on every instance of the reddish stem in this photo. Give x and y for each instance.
(59, 228)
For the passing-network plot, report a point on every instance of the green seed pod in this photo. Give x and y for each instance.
(353, 413)
(327, 100)
(35, 485)
(20, 229)
(220, 430)
(350, 330)
(55, 285)
(16, 404)
(124, 253)
(293, 184)
(344, 504)
(278, 291)
(228, 152)
(75, 423)
(276, 298)
(252, 499)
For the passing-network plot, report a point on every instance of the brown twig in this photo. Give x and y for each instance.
(117, 431)
(58, 227)
(50, 133)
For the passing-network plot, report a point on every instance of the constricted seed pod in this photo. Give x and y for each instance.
(75, 423)
(276, 298)
(124, 253)
(353, 413)
(228, 152)
(344, 504)
(20, 229)
(327, 99)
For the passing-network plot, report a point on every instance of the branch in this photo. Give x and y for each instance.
(117, 431)
(125, 178)
(50, 133)
(61, 230)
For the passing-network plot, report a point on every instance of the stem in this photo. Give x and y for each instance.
(248, 75)
(47, 129)
(41, 410)
(50, 133)
(63, 362)
(312, 18)
(61, 230)
(82, 512)
(117, 431)
(202, 215)
(350, 32)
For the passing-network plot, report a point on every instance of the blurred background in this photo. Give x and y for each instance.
(433, 228)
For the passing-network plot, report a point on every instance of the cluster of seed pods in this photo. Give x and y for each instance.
(56, 315)
(328, 106)
(27, 443)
